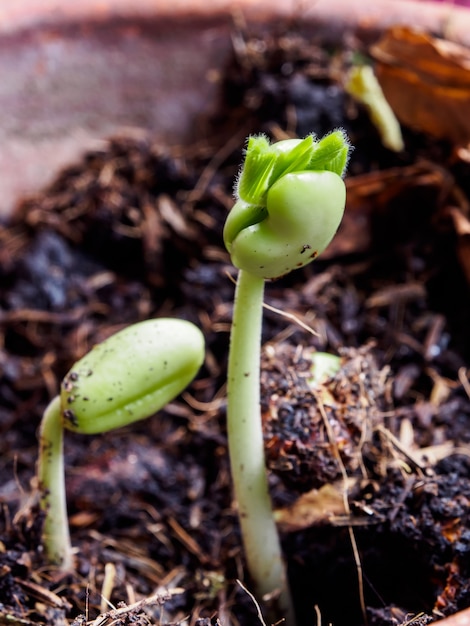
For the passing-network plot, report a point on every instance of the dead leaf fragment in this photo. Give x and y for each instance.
(318, 506)
(426, 82)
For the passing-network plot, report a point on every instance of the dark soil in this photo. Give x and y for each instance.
(134, 231)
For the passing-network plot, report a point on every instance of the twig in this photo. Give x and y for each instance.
(352, 537)
(258, 609)
(463, 377)
(112, 617)
(291, 316)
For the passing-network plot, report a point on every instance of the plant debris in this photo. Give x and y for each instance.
(426, 80)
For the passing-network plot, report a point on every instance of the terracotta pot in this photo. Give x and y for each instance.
(75, 73)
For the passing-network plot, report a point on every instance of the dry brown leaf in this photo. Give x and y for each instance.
(426, 82)
(318, 506)
(433, 454)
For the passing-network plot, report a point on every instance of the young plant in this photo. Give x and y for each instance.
(363, 85)
(290, 202)
(126, 378)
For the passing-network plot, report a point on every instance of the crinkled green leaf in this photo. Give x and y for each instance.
(253, 182)
(293, 155)
(331, 153)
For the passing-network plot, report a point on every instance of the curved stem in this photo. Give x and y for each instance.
(246, 446)
(53, 502)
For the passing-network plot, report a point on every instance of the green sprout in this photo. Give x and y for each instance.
(290, 202)
(126, 378)
(324, 366)
(363, 85)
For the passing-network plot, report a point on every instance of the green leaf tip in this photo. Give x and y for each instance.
(131, 375)
(290, 201)
(331, 153)
(253, 181)
(292, 155)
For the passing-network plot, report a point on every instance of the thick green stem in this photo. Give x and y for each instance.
(246, 447)
(52, 487)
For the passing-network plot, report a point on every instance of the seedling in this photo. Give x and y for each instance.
(290, 199)
(126, 378)
(363, 85)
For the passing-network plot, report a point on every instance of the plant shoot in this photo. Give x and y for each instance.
(290, 199)
(128, 377)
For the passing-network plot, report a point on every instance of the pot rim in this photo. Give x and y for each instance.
(37, 38)
(443, 18)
